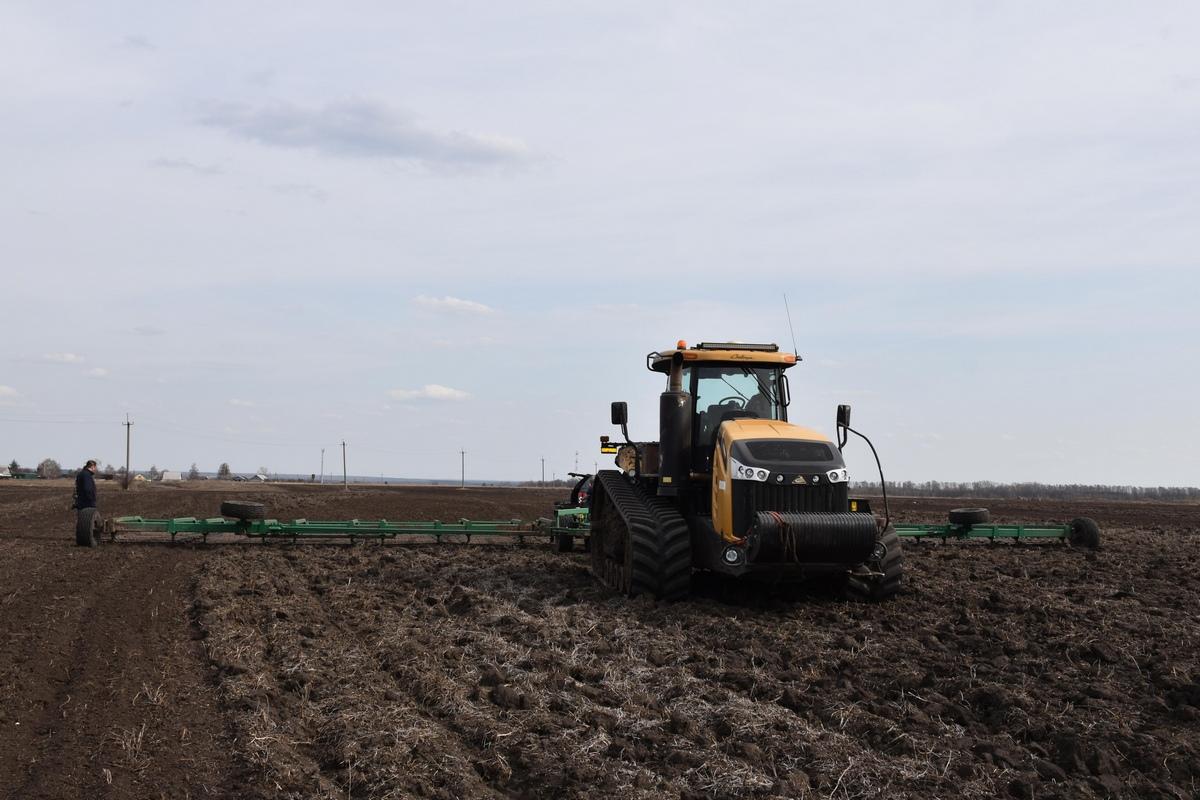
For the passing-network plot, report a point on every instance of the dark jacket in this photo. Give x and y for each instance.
(85, 489)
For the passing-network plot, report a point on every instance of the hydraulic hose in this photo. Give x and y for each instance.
(887, 517)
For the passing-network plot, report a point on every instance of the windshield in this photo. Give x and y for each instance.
(730, 392)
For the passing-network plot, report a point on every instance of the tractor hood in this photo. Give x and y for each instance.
(779, 453)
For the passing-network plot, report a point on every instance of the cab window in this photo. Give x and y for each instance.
(724, 392)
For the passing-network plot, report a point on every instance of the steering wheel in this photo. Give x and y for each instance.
(738, 402)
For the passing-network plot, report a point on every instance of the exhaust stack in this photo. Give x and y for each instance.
(675, 432)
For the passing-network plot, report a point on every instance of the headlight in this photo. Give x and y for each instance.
(838, 476)
(740, 471)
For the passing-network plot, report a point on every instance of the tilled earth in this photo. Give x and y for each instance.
(492, 670)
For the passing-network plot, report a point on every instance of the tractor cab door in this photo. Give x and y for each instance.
(728, 391)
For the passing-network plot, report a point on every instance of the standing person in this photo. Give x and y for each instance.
(85, 487)
(87, 518)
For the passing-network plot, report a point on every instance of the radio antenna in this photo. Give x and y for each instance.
(790, 327)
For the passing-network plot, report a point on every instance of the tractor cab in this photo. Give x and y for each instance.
(725, 381)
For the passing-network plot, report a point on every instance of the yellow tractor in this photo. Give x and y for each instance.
(732, 487)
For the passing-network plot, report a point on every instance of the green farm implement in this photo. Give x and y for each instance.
(570, 523)
(975, 523)
(249, 520)
(571, 516)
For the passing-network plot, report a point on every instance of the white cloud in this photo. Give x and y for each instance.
(363, 129)
(97, 372)
(8, 394)
(456, 304)
(62, 358)
(430, 391)
(241, 403)
(184, 165)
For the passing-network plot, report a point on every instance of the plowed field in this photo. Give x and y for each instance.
(140, 669)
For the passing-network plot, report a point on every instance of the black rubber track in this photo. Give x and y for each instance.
(887, 573)
(241, 510)
(674, 551)
(970, 516)
(1085, 533)
(640, 544)
(87, 526)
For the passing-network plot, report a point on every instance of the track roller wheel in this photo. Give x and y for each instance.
(879, 578)
(1085, 533)
(87, 527)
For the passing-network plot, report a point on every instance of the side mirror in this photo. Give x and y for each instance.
(620, 413)
(843, 416)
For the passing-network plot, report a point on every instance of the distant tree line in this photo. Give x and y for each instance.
(49, 468)
(1030, 491)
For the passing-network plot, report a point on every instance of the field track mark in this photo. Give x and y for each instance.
(113, 690)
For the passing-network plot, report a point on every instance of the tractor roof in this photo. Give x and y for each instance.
(724, 352)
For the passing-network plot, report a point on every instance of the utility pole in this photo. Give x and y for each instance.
(463, 454)
(128, 425)
(543, 470)
(322, 465)
(345, 480)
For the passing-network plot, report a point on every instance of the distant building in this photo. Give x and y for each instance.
(5, 473)
(171, 475)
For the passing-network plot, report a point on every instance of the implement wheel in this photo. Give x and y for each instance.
(1085, 533)
(565, 542)
(880, 580)
(970, 516)
(87, 527)
(240, 510)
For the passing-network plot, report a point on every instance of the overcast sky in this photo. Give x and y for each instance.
(426, 228)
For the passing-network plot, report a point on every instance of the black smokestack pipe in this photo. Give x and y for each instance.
(675, 431)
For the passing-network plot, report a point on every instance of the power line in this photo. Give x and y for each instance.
(169, 427)
(54, 421)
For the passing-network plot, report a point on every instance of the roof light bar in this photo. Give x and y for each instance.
(766, 348)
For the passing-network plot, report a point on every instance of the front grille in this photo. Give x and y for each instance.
(751, 497)
(793, 499)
